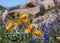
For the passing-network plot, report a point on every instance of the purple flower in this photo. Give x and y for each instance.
(31, 42)
(35, 40)
(58, 21)
(46, 38)
(20, 28)
(44, 28)
(53, 23)
(45, 41)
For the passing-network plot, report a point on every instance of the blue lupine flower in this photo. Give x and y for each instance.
(46, 38)
(53, 23)
(50, 26)
(44, 28)
(26, 36)
(20, 28)
(45, 41)
(31, 42)
(58, 21)
(43, 25)
(55, 39)
(35, 40)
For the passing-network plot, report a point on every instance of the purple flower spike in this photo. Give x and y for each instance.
(46, 38)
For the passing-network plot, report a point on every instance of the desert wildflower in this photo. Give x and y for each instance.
(26, 21)
(9, 26)
(23, 16)
(58, 37)
(38, 32)
(27, 31)
(31, 26)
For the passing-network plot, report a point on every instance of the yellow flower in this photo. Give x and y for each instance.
(9, 26)
(1, 38)
(27, 31)
(26, 21)
(38, 32)
(16, 13)
(31, 26)
(23, 16)
(58, 37)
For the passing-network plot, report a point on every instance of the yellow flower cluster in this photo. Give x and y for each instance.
(31, 27)
(9, 26)
(25, 18)
(37, 32)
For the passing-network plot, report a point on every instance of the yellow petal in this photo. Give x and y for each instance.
(38, 32)
(31, 27)
(23, 16)
(7, 27)
(27, 31)
(26, 21)
(10, 25)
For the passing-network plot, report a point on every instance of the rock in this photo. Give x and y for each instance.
(33, 10)
(46, 3)
(47, 18)
(34, 2)
(4, 14)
